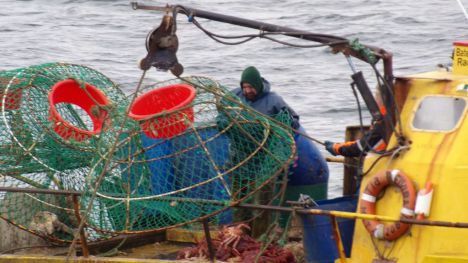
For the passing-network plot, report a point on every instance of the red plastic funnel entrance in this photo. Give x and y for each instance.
(88, 98)
(171, 104)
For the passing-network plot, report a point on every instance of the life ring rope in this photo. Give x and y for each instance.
(369, 199)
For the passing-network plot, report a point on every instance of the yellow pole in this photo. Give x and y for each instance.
(353, 215)
(338, 241)
(332, 159)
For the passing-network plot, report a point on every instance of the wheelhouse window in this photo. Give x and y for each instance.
(439, 113)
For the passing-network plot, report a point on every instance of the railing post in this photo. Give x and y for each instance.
(84, 244)
(209, 243)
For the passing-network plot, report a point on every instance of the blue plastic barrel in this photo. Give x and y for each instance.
(310, 173)
(198, 164)
(160, 164)
(319, 241)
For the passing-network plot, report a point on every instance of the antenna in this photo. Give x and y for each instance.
(462, 8)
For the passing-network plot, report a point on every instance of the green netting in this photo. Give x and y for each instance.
(171, 167)
(36, 151)
(31, 127)
(224, 155)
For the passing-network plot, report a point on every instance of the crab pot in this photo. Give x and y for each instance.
(88, 98)
(164, 112)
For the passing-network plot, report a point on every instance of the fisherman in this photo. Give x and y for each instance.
(255, 91)
(372, 141)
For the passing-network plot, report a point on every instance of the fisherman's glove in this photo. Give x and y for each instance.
(330, 146)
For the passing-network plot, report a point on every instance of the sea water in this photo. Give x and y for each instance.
(110, 37)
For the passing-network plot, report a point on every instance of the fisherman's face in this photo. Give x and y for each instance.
(250, 93)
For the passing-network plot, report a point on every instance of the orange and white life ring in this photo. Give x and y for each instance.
(369, 198)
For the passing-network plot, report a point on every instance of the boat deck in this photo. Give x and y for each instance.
(158, 251)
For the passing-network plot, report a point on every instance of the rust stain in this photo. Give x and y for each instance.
(446, 143)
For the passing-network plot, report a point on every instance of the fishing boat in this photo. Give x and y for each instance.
(407, 206)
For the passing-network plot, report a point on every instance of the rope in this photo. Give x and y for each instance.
(262, 34)
(398, 133)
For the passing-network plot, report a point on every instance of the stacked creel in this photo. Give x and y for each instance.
(182, 151)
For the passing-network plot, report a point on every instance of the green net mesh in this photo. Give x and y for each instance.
(175, 161)
(40, 151)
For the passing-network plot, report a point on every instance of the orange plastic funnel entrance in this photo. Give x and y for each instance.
(88, 98)
(164, 112)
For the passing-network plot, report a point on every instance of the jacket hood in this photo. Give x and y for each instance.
(266, 88)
